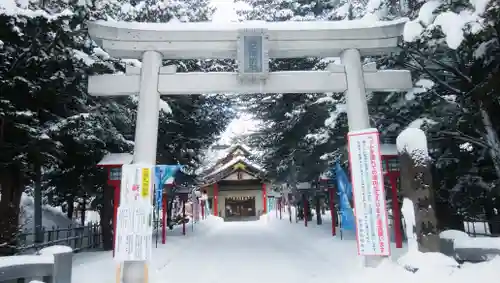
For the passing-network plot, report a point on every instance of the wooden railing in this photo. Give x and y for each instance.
(77, 237)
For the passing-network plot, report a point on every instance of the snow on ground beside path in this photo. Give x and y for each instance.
(433, 267)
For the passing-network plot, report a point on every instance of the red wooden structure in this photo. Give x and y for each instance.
(390, 166)
(113, 163)
(234, 172)
(391, 172)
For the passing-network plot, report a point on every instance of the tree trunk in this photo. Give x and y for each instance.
(11, 191)
(70, 202)
(37, 213)
(492, 140)
(319, 221)
(83, 211)
(106, 215)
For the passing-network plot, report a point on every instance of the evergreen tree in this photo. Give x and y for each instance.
(49, 123)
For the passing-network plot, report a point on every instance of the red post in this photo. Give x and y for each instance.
(332, 209)
(305, 211)
(164, 218)
(264, 198)
(116, 203)
(216, 200)
(395, 210)
(202, 204)
(281, 206)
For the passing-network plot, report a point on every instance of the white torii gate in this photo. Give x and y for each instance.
(252, 44)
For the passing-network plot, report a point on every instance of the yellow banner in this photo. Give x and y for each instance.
(145, 182)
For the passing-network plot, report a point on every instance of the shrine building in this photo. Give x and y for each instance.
(236, 188)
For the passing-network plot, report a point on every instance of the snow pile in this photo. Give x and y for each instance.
(7, 261)
(408, 211)
(453, 234)
(421, 86)
(434, 15)
(432, 268)
(51, 216)
(414, 142)
(478, 243)
(428, 263)
(418, 123)
(57, 249)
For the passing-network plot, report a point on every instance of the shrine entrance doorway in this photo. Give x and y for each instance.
(240, 208)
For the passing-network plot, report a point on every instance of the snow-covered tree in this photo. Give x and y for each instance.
(49, 123)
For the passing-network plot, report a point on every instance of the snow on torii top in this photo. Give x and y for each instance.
(219, 41)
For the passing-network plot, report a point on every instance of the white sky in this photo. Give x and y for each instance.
(240, 126)
(226, 12)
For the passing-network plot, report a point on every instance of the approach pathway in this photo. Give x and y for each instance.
(249, 252)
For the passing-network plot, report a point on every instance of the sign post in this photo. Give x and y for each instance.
(372, 231)
(134, 231)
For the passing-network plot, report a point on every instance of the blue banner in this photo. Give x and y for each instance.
(345, 195)
(270, 204)
(162, 174)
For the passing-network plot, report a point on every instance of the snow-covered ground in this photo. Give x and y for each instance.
(276, 250)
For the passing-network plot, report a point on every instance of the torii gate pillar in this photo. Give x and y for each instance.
(357, 107)
(146, 131)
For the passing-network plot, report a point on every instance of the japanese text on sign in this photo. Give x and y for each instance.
(368, 191)
(134, 233)
(146, 173)
(134, 219)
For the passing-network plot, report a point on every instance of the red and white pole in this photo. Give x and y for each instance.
(116, 203)
(164, 218)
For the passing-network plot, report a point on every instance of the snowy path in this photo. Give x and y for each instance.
(254, 251)
(246, 252)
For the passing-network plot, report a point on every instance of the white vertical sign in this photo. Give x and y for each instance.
(134, 229)
(137, 185)
(368, 192)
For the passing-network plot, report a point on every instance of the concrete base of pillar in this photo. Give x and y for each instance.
(373, 261)
(134, 272)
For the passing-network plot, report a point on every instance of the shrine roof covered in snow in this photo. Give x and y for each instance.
(236, 159)
(111, 159)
